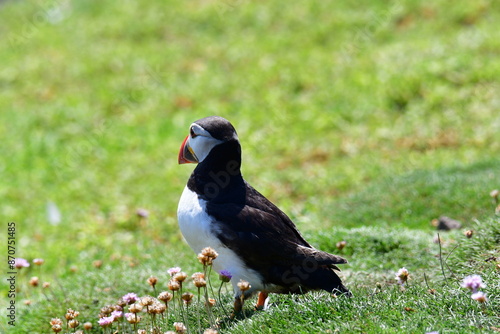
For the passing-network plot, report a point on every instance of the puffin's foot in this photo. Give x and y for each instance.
(261, 301)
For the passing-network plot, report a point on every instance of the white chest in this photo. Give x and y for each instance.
(194, 222)
(196, 227)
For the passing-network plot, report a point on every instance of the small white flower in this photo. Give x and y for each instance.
(479, 296)
(402, 276)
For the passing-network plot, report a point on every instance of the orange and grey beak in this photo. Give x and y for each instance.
(186, 154)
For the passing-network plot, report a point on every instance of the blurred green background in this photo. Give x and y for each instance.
(374, 113)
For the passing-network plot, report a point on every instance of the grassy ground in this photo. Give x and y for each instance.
(361, 121)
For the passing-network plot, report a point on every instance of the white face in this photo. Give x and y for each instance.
(201, 141)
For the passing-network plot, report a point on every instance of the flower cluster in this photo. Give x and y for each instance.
(142, 213)
(207, 256)
(152, 281)
(174, 270)
(473, 283)
(177, 278)
(244, 285)
(180, 327)
(130, 298)
(38, 262)
(199, 280)
(56, 324)
(402, 275)
(165, 296)
(225, 276)
(110, 314)
(341, 244)
(129, 312)
(21, 263)
(71, 318)
(135, 305)
(34, 281)
(72, 322)
(131, 308)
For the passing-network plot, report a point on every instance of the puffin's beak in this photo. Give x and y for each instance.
(186, 154)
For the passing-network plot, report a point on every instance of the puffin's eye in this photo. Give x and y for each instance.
(191, 132)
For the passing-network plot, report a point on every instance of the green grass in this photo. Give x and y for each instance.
(379, 304)
(362, 121)
(415, 199)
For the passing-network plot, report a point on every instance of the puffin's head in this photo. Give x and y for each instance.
(205, 134)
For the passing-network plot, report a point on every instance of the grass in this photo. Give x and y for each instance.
(362, 121)
(379, 304)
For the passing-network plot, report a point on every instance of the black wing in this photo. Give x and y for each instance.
(266, 238)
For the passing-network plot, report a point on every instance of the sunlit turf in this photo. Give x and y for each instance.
(361, 121)
(432, 300)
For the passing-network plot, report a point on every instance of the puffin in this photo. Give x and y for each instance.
(256, 242)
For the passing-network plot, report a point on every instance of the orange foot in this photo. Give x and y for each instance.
(261, 300)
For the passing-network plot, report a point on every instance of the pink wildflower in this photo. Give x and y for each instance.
(142, 213)
(116, 314)
(174, 270)
(106, 321)
(130, 298)
(473, 282)
(20, 263)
